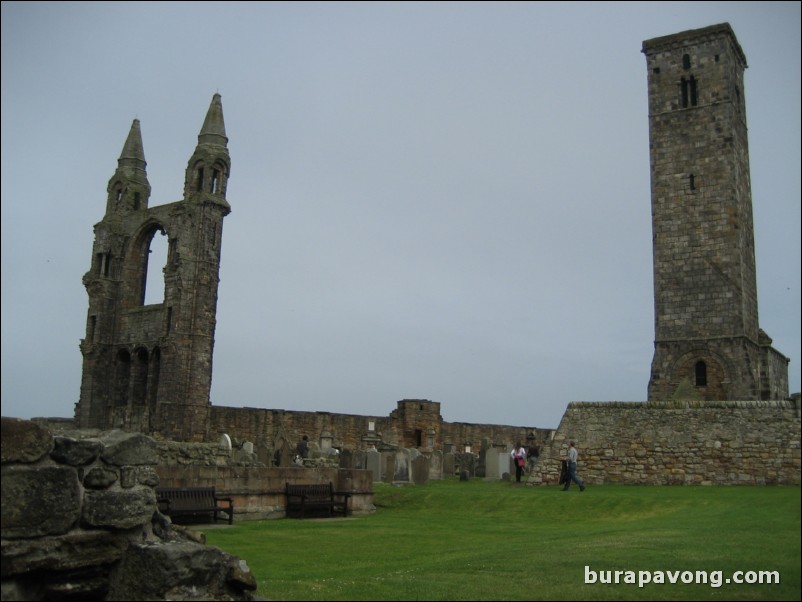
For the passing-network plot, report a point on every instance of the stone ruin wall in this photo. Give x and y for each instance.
(80, 521)
(268, 429)
(678, 443)
(257, 490)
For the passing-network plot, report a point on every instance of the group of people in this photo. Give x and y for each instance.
(519, 455)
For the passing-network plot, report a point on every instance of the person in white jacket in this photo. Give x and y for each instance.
(518, 454)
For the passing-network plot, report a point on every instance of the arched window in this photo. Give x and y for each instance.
(689, 97)
(701, 374)
(140, 377)
(122, 377)
(156, 260)
(686, 61)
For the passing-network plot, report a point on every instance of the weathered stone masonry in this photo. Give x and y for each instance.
(678, 443)
(79, 521)
(148, 368)
(705, 288)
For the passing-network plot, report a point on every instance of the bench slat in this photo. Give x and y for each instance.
(302, 500)
(181, 501)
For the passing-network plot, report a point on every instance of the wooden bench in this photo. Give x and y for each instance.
(318, 499)
(193, 501)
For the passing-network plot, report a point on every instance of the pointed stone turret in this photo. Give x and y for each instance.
(210, 165)
(214, 128)
(129, 188)
(133, 154)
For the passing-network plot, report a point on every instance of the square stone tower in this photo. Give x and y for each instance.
(705, 286)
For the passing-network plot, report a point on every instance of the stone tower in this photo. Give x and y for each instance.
(705, 286)
(149, 367)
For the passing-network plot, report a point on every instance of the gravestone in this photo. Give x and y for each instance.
(388, 467)
(359, 461)
(467, 462)
(402, 458)
(449, 464)
(436, 465)
(373, 463)
(420, 470)
(346, 459)
(493, 468)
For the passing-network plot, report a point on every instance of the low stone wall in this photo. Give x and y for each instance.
(80, 521)
(258, 491)
(678, 443)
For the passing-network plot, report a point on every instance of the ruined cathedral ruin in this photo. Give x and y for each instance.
(148, 368)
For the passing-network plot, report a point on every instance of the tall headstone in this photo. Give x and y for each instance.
(420, 470)
(373, 463)
(436, 465)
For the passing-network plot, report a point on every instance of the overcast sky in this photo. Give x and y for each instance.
(445, 201)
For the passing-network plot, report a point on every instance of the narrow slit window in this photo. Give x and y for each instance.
(701, 374)
(686, 61)
(693, 91)
(692, 181)
(199, 184)
(215, 181)
(684, 91)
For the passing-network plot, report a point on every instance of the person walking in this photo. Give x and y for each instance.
(572, 457)
(519, 457)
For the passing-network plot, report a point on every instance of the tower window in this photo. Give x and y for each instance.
(136, 200)
(103, 264)
(692, 181)
(118, 196)
(215, 181)
(701, 374)
(686, 61)
(199, 184)
(688, 87)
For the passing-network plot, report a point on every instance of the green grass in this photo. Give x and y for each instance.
(476, 540)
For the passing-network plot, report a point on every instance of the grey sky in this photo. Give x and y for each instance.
(446, 201)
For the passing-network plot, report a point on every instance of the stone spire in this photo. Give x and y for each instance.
(133, 154)
(210, 165)
(128, 188)
(214, 128)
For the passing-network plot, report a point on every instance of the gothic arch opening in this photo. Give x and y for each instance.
(153, 383)
(156, 260)
(140, 377)
(122, 377)
(706, 372)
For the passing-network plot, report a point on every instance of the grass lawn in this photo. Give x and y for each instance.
(476, 540)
